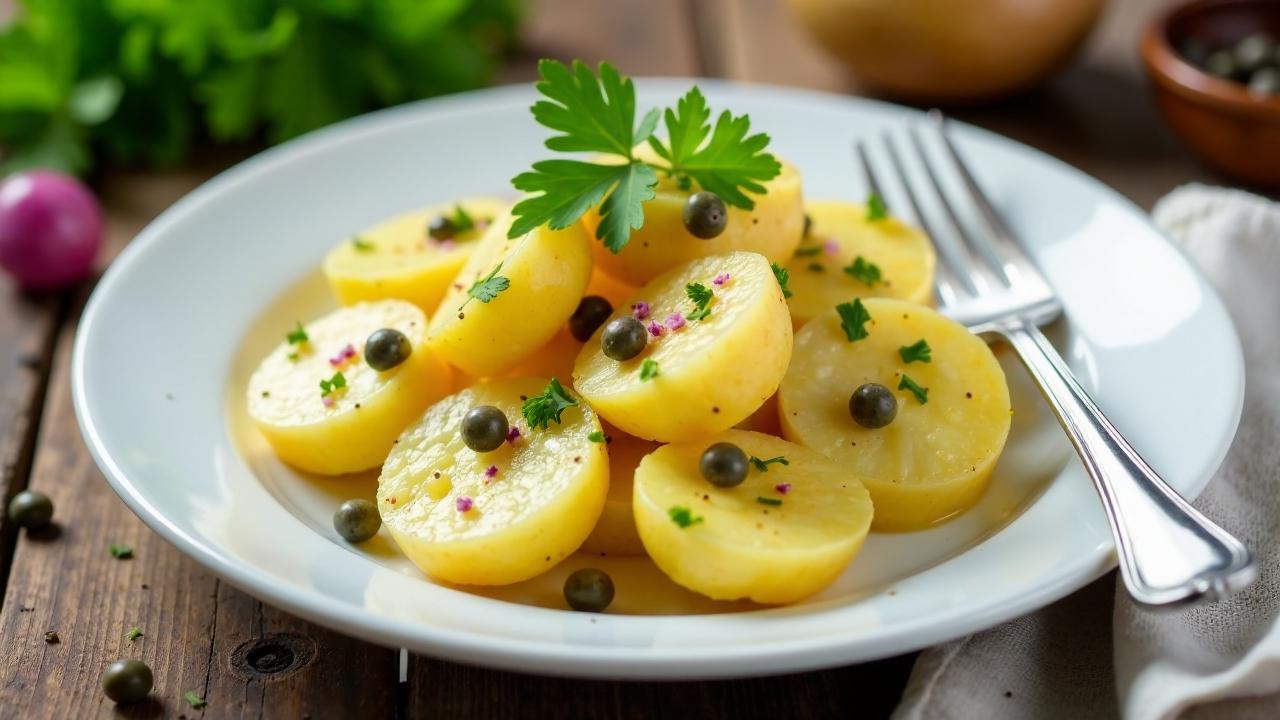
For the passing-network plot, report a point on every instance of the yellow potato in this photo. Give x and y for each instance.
(536, 510)
(615, 291)
(615, 533)
(355, 430)
(546, 272)
(840, 234)
(398, 259)
(735, 546)
(713, 372)
(934, 459)
(764, 419)
(773, 229)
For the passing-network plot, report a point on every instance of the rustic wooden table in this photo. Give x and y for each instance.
(249, 659)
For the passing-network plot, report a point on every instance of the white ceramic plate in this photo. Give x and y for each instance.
(179, 320)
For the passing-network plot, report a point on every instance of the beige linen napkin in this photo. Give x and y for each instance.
(1094, 654)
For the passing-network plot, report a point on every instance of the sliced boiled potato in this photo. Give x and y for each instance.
(398, 259)
(751, 541)
(839, 236)
(615, 533)
(713, 372)
(458, 524)
(545, 273)
(934, 459)
(609, 288)
(352, 428)
(773, 229)
(764, 419)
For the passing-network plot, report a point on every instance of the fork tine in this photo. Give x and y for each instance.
(868, 173)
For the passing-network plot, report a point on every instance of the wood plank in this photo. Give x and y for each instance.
(199, 634)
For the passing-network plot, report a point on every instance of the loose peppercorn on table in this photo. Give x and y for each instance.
(97, 586)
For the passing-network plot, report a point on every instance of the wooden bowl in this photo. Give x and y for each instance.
(1221, 121)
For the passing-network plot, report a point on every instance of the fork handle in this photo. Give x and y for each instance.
(1169, 553)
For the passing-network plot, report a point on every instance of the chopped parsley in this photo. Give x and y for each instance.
(773, 502)
(853, 319)
(876, 209)
(541, 410)
(683, 516)
(596, 112)
(333, 384)
(120, 552)
(487, 287)
(596, 436)
(462, 220)
(861, 269)
(701, 296)
(648, 369)
(133, 634)
(194, 700)
(916, 352)
(362, 245)
(817, 267)
(297, 336)
(763, 465)
(808, 251)
(782, 275)
(921, 393)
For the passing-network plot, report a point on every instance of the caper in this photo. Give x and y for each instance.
(1265, 82)
(592, 311)
(723, 464)
(1221, 63)
(705, 215)
(127, 681)
(623, 338)
(873, 406)
(386, 348)
(441, 227)
(484, 428)
(357, 520)
(31, 510)
(588, 590)
(1254, 51)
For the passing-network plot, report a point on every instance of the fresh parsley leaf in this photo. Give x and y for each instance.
(297, 336)
(541, 410)
(808, 251)
(683, 516)
(596, 436)
(333, 384)
(487, 287)
(120, 552)
(362, 245)
(462, 220)
(701, 296)
(763, 465)
(783, 276)
(687, 127)
(594, 114)
(853, 319)
(918, 351)
(773, 502)
(817, 267)
(133, 634)
(861, 269)
(571, 187)
(876, 209)
(921, 393)
(194, 700)
(648, 369)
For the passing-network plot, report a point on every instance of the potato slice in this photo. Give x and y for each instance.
(840, 234)
(536, 509)
(713, 372)
(773, 229)
(737, 546)
(398, 259)
(355, 430)
(934, 459)
(546, 271)
(615, 533)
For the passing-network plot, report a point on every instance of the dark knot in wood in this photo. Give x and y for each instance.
(273, 656)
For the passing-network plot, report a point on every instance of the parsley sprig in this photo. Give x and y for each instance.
(596, 112)
(763, 465)
(865, 271)
(911, 386)
(919, 351)
(648, 369)
(783, 276)
(487, 287)
(333, 384)
(876, 209)
(853, 319)
(462, 220)
(701, 296)
(541, 410)
(297, 336)
(683, 516)
(361, 245)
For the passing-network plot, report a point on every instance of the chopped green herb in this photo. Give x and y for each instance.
(487, 287)
(293, 357)
(462, 220)
(701, 296)
(783, 276)
(648, 369)
(876, 209)
(683, 516)
(133, 634)
(916, 352)
(921, 393)
(194, 700)
(817, 266)
(867, 272)
(596, 436)
(774, 502)
(763, 465)
(333, 384)
(120, 552)
(362, 245)
(541, 410)
(853, 319)
(808, 251)
(297, 336)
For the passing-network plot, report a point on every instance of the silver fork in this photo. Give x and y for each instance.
(1169, 553)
